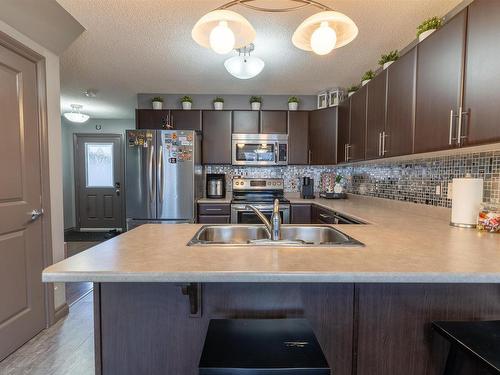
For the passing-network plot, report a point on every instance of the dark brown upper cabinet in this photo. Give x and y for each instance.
(273, 122)
(400, 106)
(246, 122)
(217, 127)
(186, 120)
(151, 118)
(375, 115)
(439, 82)
(298, 137)
(344, 127)
(482, 77)
(158, 119)
(357, 139)
(322, 136)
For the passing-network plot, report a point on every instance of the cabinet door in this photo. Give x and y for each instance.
(186, 120)
(375, 115)
(246, 122)
(344, 128)
(273, 122)
(323, 136)
(439, 81)
(151, 118)
(298, 137)
(300, 213)
(482, 77)
(356, 148)
(400, 105)
(216, 137)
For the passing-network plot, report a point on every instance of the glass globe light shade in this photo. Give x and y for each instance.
(323, 39)
(222, 38)
(244, 67)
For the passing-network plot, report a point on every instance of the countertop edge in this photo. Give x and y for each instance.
(265, 277)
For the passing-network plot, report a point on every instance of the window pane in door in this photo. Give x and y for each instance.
(99, 164)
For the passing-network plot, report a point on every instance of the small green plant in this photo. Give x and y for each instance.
(219, 100)
(186, 98)
(391, 56)
(353, 89)
(429, 24)
(157, 99)
(293, 99)
(368, 75)
(256, 99)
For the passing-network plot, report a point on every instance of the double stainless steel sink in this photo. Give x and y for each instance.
(257, 235)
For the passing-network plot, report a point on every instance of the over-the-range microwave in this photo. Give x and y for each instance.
(259, 149)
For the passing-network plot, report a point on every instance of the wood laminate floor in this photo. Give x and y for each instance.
(66, 348)
(75, 291)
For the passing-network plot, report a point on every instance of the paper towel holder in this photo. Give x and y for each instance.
(479, 200)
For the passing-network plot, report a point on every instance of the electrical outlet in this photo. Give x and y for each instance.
(438, 189)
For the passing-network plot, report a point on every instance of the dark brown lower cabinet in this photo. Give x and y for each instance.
(363, 329)
(214, 213)
(300, 213)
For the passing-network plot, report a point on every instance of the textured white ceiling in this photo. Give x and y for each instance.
(140, 46)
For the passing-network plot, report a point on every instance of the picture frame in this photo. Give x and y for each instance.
(323, 100)
(335, 96)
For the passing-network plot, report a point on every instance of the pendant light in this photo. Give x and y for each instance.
(222, 29)
(244, 66)
(75, 115)
(324, 31)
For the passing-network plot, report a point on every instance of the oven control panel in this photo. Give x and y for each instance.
(258, 184)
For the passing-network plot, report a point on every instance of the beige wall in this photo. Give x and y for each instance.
(54, 134)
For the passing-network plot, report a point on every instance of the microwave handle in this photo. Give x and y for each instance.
(276, 152)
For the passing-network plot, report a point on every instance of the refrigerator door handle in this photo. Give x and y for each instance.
(160, 173)
(150, 174)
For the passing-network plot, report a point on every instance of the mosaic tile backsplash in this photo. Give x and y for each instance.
(422, 181)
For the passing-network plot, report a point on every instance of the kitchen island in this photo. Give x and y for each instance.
(370, 306)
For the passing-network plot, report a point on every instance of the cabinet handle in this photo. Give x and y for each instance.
(451, 139)
(213, 209)
(379, 144)
(461, 113)
(347, 147)
(383, 143)
(309, 157)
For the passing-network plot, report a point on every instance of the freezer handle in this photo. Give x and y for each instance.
(160, 173)
(150, 174)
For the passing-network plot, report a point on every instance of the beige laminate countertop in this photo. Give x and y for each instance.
(404, 242)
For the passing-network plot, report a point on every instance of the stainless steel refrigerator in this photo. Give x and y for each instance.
(163, 176)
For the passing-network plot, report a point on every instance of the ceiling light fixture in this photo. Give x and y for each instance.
(320, 33)
(75, 115)
(244, 66)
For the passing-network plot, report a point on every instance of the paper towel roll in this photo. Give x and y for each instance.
(466, 199)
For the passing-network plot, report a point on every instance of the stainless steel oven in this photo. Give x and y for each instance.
(241, 215)
(259, 149)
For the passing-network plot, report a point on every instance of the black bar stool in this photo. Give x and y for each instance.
(262, 347)
(479, 340)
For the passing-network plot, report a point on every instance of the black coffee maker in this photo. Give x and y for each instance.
(307, 188)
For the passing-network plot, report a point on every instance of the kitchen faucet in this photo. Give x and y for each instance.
(274, 226)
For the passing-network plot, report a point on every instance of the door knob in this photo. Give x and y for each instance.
(36, 213)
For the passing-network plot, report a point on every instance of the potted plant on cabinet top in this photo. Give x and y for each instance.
(293, 103)
(367, 77)
(255, 102)
(187, 102)
(351, 90)
(427, 27)
(218, 103)
(386, 60)
(157, 102)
